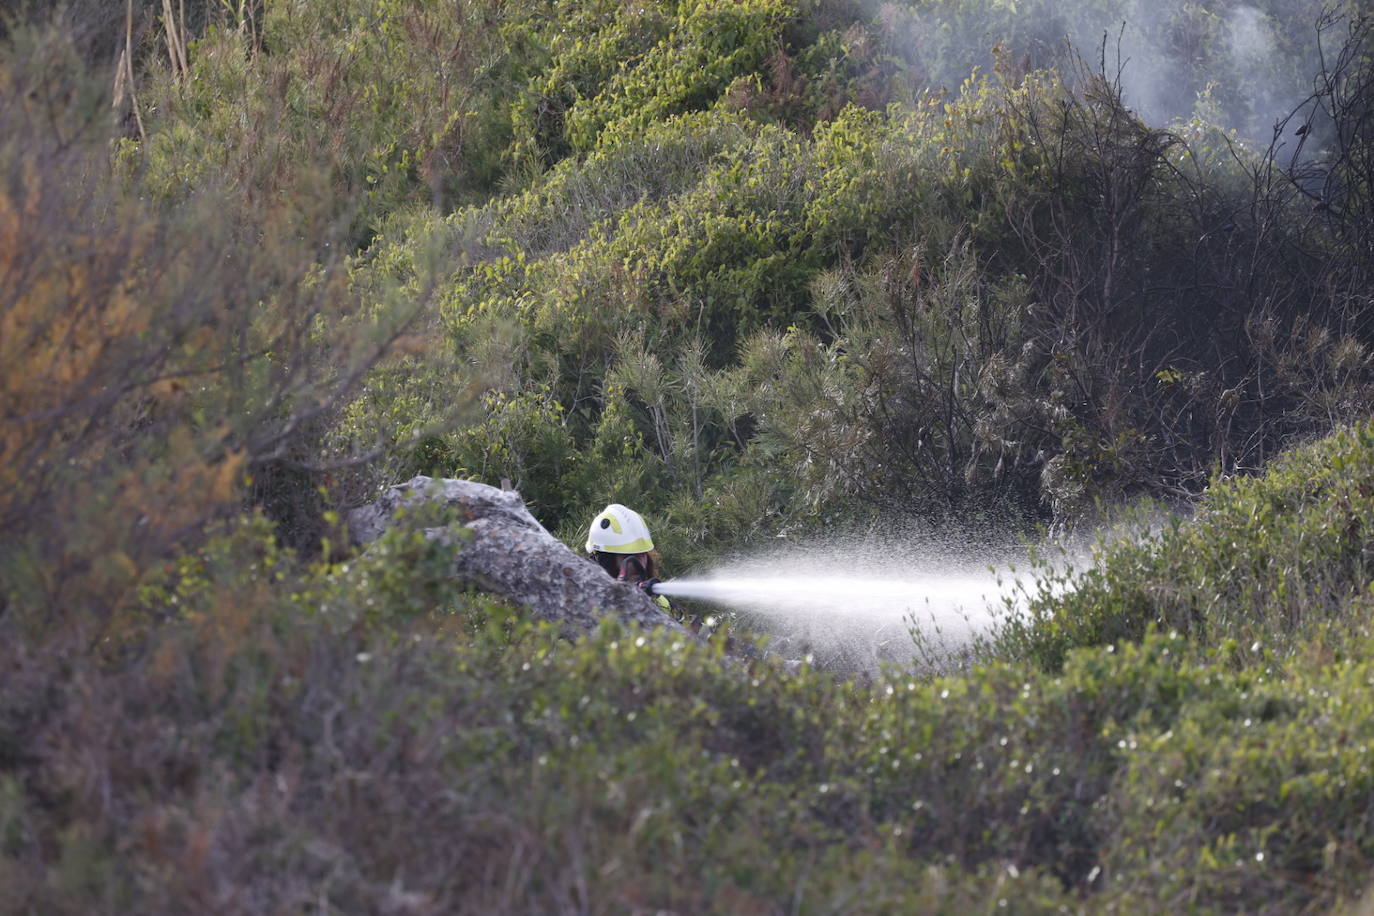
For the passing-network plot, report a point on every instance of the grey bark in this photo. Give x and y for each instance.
(501, 549)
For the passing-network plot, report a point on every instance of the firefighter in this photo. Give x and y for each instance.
(619, 541)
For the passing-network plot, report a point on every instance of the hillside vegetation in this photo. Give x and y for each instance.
(760, 269)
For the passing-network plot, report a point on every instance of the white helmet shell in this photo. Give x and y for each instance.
(619, 530)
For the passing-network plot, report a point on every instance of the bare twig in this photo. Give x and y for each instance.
(125, 78)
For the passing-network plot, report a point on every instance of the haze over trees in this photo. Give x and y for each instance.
(761, 269)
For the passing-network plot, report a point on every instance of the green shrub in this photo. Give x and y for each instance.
(364, 731)
(391, 102)
(1266, 784)
(708, 46)
(1267, 564)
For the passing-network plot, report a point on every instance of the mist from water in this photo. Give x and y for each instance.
(854, 603)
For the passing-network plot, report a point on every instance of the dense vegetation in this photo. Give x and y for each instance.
(758, 268)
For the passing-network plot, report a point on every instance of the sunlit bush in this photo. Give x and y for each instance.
(1277, 564)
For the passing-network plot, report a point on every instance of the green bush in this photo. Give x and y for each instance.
(1273, 564)
(367, 731)
(393, 102)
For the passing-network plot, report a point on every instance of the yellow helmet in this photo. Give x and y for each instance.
(618, 530)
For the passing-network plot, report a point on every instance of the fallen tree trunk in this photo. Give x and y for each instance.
(499, 548)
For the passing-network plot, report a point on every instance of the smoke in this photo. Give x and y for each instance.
(1250, 37)
(1177, 61)
(1244, 66)
(1251, 41)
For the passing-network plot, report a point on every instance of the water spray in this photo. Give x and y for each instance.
(858, 613)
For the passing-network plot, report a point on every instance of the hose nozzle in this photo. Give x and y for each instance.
(649, 585)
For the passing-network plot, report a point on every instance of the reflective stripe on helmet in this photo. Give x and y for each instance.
(643, 545)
